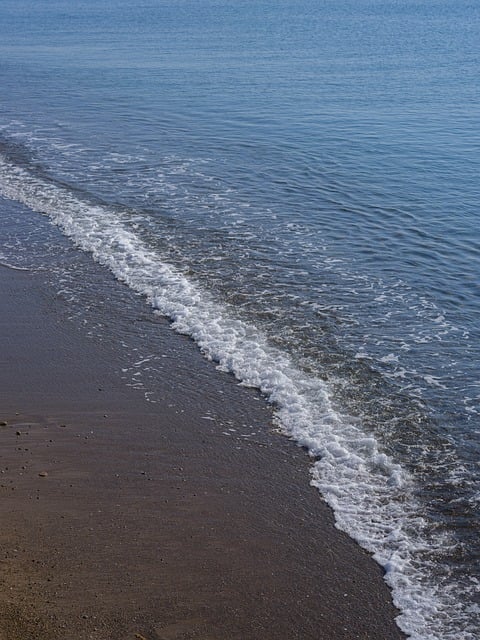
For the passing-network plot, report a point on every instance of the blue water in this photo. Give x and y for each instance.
(296, 184)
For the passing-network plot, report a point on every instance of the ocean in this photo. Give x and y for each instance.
(296, 186)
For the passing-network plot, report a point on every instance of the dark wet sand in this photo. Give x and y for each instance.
(122, 519)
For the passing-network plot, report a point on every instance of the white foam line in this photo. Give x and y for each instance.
(11, 266)
(370, 494)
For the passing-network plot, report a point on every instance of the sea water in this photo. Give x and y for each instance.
(296, 186)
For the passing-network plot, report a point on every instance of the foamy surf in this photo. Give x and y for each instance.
(373, 497)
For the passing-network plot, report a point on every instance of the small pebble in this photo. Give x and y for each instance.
(43, 474)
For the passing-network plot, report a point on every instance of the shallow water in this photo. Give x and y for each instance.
(296, 186)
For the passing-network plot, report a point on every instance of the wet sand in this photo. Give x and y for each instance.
(124, 519)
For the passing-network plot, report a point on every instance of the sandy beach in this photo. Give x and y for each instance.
(124, 519)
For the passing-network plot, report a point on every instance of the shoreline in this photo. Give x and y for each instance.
(166, 520)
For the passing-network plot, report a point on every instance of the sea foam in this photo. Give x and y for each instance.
(373, 498)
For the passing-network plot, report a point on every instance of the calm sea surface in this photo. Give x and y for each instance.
(297, 186)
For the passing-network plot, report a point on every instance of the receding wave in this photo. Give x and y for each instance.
(373, 497)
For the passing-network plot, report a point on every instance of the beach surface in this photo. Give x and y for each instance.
(191, 517)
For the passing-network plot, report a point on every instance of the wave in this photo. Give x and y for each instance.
(373, 497)
(7, 265)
